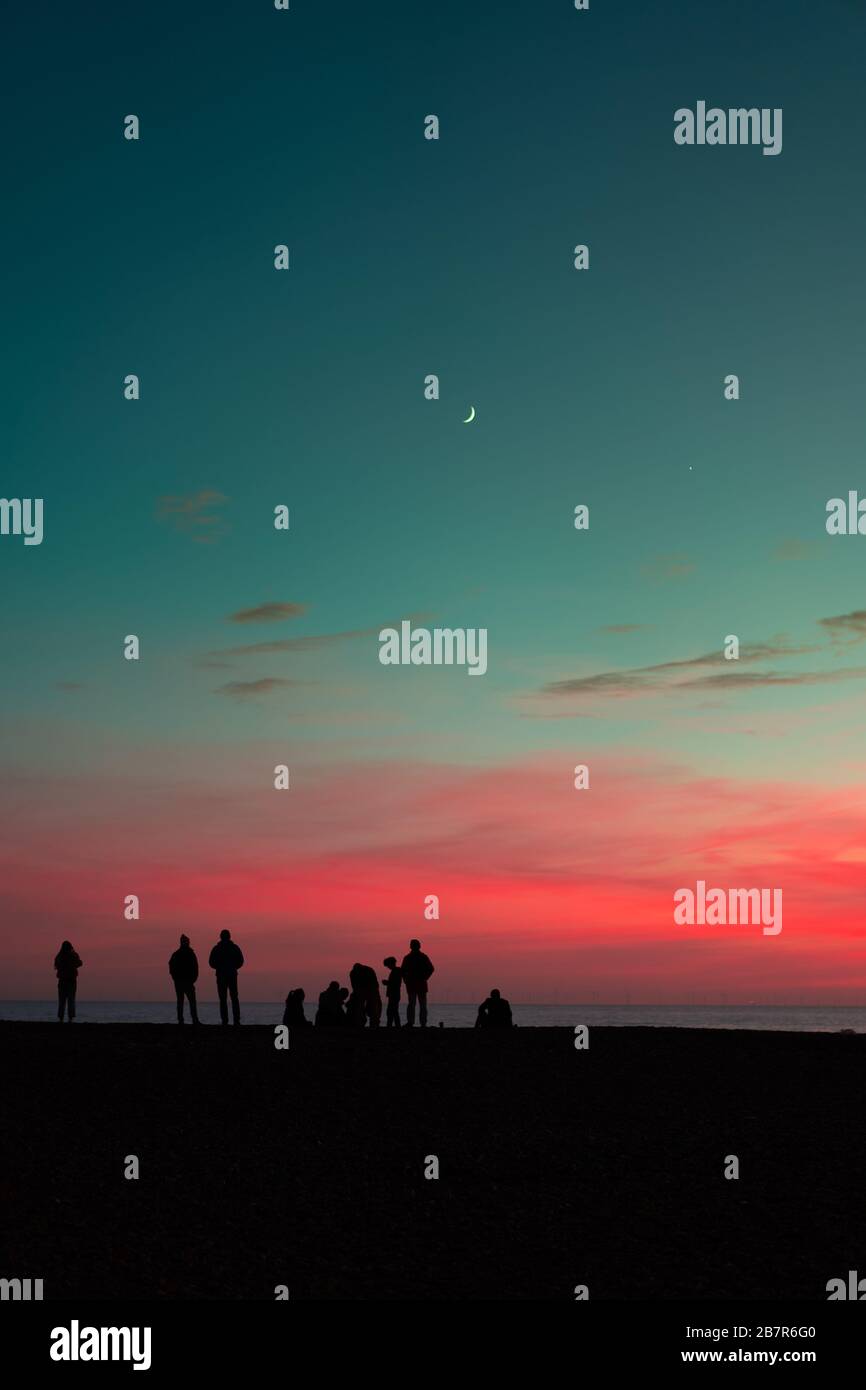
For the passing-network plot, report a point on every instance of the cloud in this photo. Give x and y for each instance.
(757, 678)
(667, 567)
(195, 515)
(624, 627)
(244, 690)
(795, 550)
(852, 625)
(312, 643)
(560, 894)
(268, 613)
(709, 670)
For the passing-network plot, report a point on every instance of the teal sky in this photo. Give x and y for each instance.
(454, 257)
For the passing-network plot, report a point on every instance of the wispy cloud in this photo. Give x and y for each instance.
(710, 672)
(245, 690)
(851, 626)
(195, 514)
(692, 673)
(795, 550)
(312, 643)
(268, 613)
(664, 568)
(624, 627)
(743, 679)
(494, 837)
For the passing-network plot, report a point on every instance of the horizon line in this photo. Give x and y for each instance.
(527, 1004)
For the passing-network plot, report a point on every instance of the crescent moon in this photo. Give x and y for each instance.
(471, 416)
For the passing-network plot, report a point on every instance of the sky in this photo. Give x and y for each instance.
(305, 388)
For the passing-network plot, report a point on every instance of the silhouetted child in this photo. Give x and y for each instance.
(293, 1013)
(67, 964)
(392, 991)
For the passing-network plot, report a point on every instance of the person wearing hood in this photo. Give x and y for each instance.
(293, 1013)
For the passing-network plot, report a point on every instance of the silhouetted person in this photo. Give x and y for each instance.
(495, 1012)
(293, 1013)
(416, 971)
(226, 959)
(392, 991)
(355, 1015)
(365, 985)
(67, 963)
(330, 1011)
(183, 969)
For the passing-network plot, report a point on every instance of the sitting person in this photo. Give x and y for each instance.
(330, 1011)
(495, 1012)
(293, 1013)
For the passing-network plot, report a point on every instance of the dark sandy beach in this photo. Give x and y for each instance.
(306, 1168)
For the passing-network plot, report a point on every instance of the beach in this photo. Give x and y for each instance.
(305, 1167)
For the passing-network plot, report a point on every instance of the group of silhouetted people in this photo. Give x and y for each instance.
(339, 1007)
(361, 1005)
(225, 960)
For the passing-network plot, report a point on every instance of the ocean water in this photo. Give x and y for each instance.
(775, 1018)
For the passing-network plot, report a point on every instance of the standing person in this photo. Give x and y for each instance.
(183, 969)
(226, 959)
(67, 963)
(365, 985)
(416, 971)
(392, 991)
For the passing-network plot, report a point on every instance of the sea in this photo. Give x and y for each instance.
(780, 1018)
